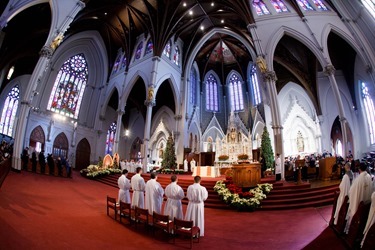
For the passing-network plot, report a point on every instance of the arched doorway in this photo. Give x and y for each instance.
(37, 139)
(60, 146)
(136, 149)
(83, 152)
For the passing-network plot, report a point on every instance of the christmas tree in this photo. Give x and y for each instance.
(266, 149)
(169, 156)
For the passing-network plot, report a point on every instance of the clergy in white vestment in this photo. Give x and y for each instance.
(278, 167)
(138, 186)
(192, 165)
(154, 195)
(370, 219)
(186, 165)
(360, 190)
(196, 195)
(174, 193)
(344, 190)
(124, 187)
(122, 164)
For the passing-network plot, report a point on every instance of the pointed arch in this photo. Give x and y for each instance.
(235, 86)
(211, 81)
(37, 138)
(8, 114)
(83, 153)
(60, 146)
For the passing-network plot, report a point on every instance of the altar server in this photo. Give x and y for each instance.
(154, 195)
(344, 190)
(186, 165)
(361, 190)
(370, 219)
(138, 186)
(174, 193)
(196, 194)
(192, 165)
(124, 187)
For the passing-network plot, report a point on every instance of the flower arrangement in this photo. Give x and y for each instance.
(94, 171)
(242, 157)
(170, 171)
(223, 157)
(236, 197)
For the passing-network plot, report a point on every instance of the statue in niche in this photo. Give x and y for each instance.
(233, 135)
(300, 142)
(239, 137)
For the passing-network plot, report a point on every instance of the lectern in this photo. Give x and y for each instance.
(246, 175)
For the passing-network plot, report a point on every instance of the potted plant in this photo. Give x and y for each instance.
(223, 157)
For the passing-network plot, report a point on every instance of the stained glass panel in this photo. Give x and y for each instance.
(149, 47)
(255, 85)
(320, 5)
(260, 8)
(370, 6)
(116, 64)
(138, 52)
(279, 6)
(369, 110)
(70, 83)
(193, 86)
(110, 138)
(305, 5)
(176, 56)
(212, 103)
(235, 92)
(123, 62)
(9, 111)
(167, 50)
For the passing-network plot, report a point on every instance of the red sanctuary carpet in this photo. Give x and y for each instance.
(46, 212)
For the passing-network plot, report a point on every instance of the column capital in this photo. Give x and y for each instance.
(329, 70)
(150, 103)
(46, 51)
(342, 119)
(120, 111)
(270, 76)
(251, 25)
(178, 117)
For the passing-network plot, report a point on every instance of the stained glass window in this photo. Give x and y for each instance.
(193, 86)
(123, 62)
(279, 6)
(149, 47)
(235, 92)
(255, 85)
(370, 111)
(260, 8)
(110, 138)
(138, 52)
(320, 5)
(9, 111)
(212, 103)
(370, 6)
(305, 5)
(167, 49)
(70, 83)
(176, 56)
(117, 64)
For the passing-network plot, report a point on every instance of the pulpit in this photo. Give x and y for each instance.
(325, 168)
(246, 175)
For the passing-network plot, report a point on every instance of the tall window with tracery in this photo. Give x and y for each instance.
(193, 86)
(149, 47)
(70, 83)
(138, 51)
(320, 5)
(255, 85)
(370, 111)
(260, 7)
(110, 138)
(212, 103)
(167, 49)
(370, 6)
(235, 92)
(9, 111)
(123, 62)
(279, 6)
(305, 5)
(176, 56)
(117, 64)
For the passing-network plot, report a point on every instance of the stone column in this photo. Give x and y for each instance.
(120, 113)
(74, 135)
(149, 103)
(270, 80)
(329, 71)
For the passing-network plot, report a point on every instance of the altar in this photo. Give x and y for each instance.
(206, 171)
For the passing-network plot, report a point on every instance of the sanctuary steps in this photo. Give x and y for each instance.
(285, 195)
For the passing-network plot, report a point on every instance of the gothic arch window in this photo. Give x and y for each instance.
(235, 92)
(370, 6)
(9, 111)
(149, 47)
(193, 86)
(338, 147)
(70, 83)
(110, 138)
(212, 102)
(279, 6)
(117, 63)
(260, 8)
(60, 146)
(123, 62)
(320, 5)
(176, 56)
(138, 51)
(370, 111)
(305, 5)
(167, 49)
(255, 85)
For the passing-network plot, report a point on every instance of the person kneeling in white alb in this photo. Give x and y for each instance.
(174, 193)
(196, 194)
(154, 195)
(124, 187)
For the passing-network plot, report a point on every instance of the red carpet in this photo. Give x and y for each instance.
(45, 212)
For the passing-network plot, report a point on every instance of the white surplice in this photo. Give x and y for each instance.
(173, 206)
(360, 190)
(344, 191)
(138, 186)
(124, 187)
(192, 165)
(186, 165)
(370, 219)
(196, 194)
(154, 196)
(122, 165)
